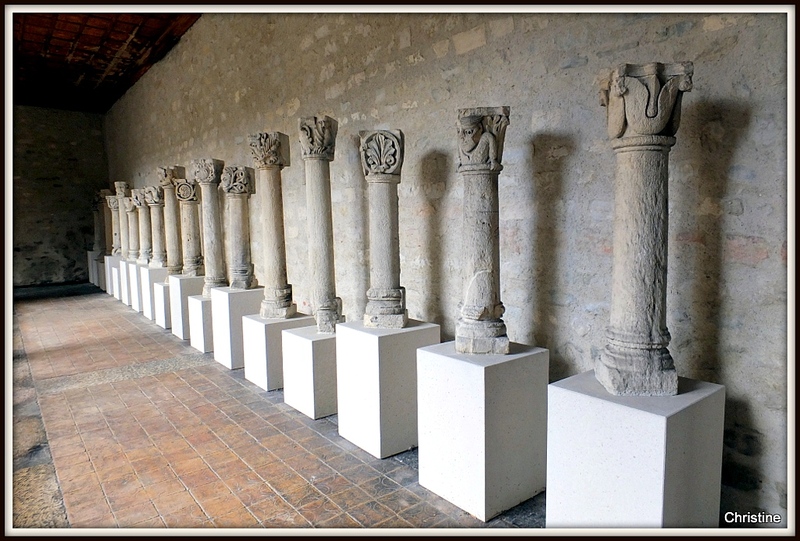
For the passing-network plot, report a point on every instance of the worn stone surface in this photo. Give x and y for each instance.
(145, 227)
(131, 211)
(172, 217)
(206, 172)
(113, 206)
(154, 197)
(121, 192)
(237, 184)
(186, 194)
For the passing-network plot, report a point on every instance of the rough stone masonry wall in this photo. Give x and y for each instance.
(59, 164)
(236, 74)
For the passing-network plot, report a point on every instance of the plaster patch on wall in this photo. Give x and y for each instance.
(470, 40)
(440, 48)
(501, 27)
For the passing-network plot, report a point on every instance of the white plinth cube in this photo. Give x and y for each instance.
(91, 258)
(150, 277)
(135, 281)
(201, 334)
(309, 371)
(180, 289)
(376, 378)
(263, 348)
(111, 284)
(100, 272)
(633, 461)
(161, 305)
(228, 306)
(482, 426)
(124, 282)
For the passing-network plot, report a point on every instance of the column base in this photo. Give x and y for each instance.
(150, 277)
(201, 335)
(309, 371)
(637, 372)
(270, 310)
(135, 281)
(633, 462)
(228, 305)
(124, 283)
(386, 321)
(263, 347)
(376, 375)
(482, 426)
(327, 318)
(484, 337)
(181, 287)
(161, 305)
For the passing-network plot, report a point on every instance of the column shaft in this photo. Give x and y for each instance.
(277, 292)
(240, 266)
(114, 207)
(133, 234)
(190, 229)
(320, 242)
(172, 230)
(124, 230)
(159, 259)
(145, 236)
(213, 249)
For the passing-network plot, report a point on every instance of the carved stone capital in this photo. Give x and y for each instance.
(127, 202)
(186, 190)
(237, 180)
(318, 137)
(270, 149)
(382, 152)
(121, 188)
(154, 196)
(481, 135)
(207, 170)
(137, 197)
(113, 202)
(645, 99)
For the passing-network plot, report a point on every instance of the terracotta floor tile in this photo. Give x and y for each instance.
(222, 505)
(168, 504)
(183, 467)
(240, 518)
(198, 478)
(394, 522)
(303, 495)
(190, 516)
(380, 486)
(399, 500)
(422, 515)
(104, 521)
(278, 514)
(332, 484)
(360, 474)
(370, 513)
(320, 510)
(286, 483)
(149, 523)
(350, 497)
(342, 520)
(123, 500)
(146, 451)
(164, 488)
(135, 513)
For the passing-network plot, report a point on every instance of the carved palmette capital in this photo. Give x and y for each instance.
(381, 152)
(137, 196)
(185, 190)
(645, 99)
(318, 137)
(121, 188)
(113, 202)
(127, 203)
(270, 149)
(207, 170)
(481, 135)
(154, 196)
(237, 180)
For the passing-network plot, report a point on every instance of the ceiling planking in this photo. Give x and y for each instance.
(87, 61)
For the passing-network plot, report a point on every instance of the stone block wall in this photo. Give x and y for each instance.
(236, 74)
(59, 164)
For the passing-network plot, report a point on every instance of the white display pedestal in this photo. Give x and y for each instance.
(111, 285)
(376, 375)
(115, 279)
(263, 348)
(100, 271)
(135, 281)
(309, 371)
(636, 462)
(161, 305)
(201, 335)
(124, 282)
(228, 306)
(180, 289)
(150, 277)
(91, 259)
(482, 426)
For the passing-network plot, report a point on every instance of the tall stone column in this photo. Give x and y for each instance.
(99, 244)
(318, 143)
(172, 218)
(145, 230)
(237, 183)
(643, 104)
(154, 197)
(124, 237)
(105, 215)
(186, 193)
(206, 172)
(480, 327)
(113, 205)
(133, 228)
(271, 153)
(382, 155)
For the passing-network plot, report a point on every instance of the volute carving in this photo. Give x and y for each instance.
(206, 170)
(237, 179)
(185, 190)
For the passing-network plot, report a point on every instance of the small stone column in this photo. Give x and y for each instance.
(271, 154)
(237, 183)
(105, 216)
(145, 230)
(382, 159)
(124, 237)
(133, 228)
(206, 173)
(480, 327)
(172, 218)
(113, 205)
(186, 193)
(318, 143)
(99, 244)
(154, 197)
(643, 109)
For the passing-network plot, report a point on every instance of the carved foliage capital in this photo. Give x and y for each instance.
(318, 137)
(270, 149)
(481, 135)
(121, 188)
(185, 190)
(127, 203)
(207, 170)
(113, 202)
(137, 196)
(645, 99)
(237, 180)
(382, 152)
(154, 195)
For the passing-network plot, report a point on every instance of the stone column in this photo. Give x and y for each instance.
(145, 231)
(206, 172)
(99, 244)
(237, 183)
(643, 109)
(172, 219)
(124, 237)
(480, 327)
(133, 228)
(271, 154)
(318, 143)
(105, 215)
(186, 193)
(382, 159)
(154, 197)
(113, 204)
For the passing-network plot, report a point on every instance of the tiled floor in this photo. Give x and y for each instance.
(146, 432)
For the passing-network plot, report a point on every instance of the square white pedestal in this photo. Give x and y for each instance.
(180, 289)
(483, 426)
(100, 272)
(135, 281)
(161, 305)
(309, 371)
(91, 258)
(635, 462)
(263, 348)
(228, 306)
(125, 282)
(201, 335)
(115, 279)
(108, 263)
(376, 378)
(150, 277)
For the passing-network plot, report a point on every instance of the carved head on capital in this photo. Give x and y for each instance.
(381, 152)
(318, 137)
(121, 188)
(137, 197)
(207, 170)
(237, 180)
(481, 135)
(270, 149)
(127, 203)
(154, 195)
